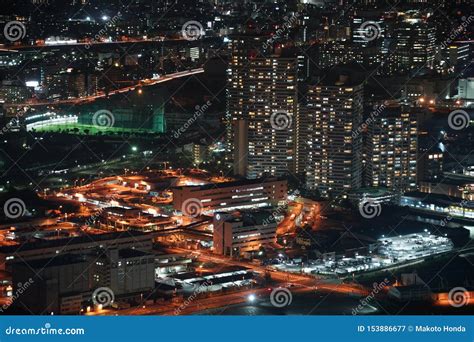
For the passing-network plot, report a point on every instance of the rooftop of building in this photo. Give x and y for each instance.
(132, 253)
(441, 200)
(347, 75)
(251, 217)
(120, 210)
(67, 241)
(453, 181)
(241, 182)
(59, 260)
(380, 191)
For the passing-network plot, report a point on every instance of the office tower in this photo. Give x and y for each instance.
(416, 45)
(334, 154)
(367, 40)
(367, 32)
(454, 56)
(261, 107)
(392, 149)
(335, 52)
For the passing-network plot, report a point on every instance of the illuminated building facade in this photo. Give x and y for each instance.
(334, 155)
(392, 150)
(232, 195)
(262, 91)
(235, 235)
(416, 45)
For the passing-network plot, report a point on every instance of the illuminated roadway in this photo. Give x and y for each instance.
(298, 279)
(18, 48)
(142, 83)
(299, 284)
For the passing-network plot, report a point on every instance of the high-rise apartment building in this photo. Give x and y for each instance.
(334, 154)
(392, 149)
(261, 108)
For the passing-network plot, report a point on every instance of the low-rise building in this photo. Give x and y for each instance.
(439, 205)
(126, 271)
(232, 195)
(81, 244)
(59, 285)
(245, 233)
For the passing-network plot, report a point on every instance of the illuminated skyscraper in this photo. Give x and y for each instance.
(261, 108)
(392, 149)
(416, 44)
(334, 155)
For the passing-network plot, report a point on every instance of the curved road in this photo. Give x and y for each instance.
(142, 83)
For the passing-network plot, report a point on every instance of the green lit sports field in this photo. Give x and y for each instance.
(87, 129)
